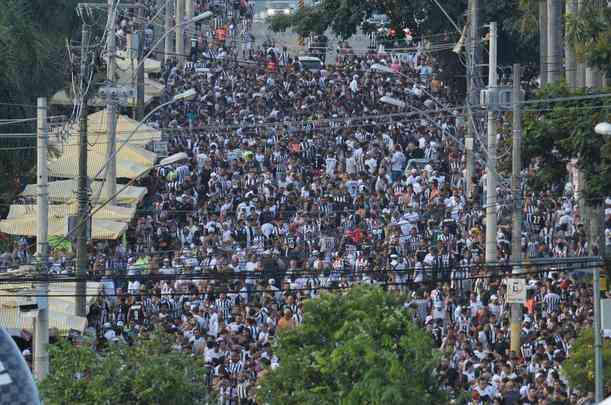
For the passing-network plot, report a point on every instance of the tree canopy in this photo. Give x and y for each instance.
(146, 373)
(557, 131)
(33, 36)
(579, 366)
(355, 348)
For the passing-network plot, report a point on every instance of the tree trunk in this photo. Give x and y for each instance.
(569, 50)
(543, 42)
(554, 40)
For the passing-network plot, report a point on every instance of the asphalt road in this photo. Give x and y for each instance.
(289, 39)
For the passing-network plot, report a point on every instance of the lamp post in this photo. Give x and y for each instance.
(182, 96)
(604, 129)
(200, 17)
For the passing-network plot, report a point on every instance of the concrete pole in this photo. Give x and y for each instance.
(554, 35)
(472, 74)
(569, 50)
(593, 80)
(167, 49)
(598, 237)
(180, 40)
(516, 229)
(189, 9)
(543, 42)
(491, 219)
(110, 183)
(41, 330)
(83, 189)
(140, 72)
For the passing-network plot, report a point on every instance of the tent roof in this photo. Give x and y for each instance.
(66, 166)
(61, 308)
(130, 153)
(65, 190)
(109, 212)
(98, 123)
(102, 229)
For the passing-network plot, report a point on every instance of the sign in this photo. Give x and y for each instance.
(160, 148)
(516, 291)
(199, 67)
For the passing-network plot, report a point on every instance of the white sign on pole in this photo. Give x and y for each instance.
(516, 291)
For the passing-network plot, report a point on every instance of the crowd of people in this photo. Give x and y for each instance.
(299, 181)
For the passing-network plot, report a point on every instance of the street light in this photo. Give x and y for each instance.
(200, 17)
(378, 67)
(178, 97)
(603, 128)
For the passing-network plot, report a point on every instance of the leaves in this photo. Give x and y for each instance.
(360, 347)
(579, 366)
(143, 374)
(565, 130)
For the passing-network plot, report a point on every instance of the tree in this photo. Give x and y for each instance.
(579, 366)
(146, 373)
(355, 348)
(33, 36)
(590, 33)
(560, 131)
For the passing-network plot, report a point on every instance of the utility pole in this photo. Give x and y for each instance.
(543, 43)
(167, 26)
(140, 73)
(491, 219)
(83, 192)
(516, 193)
(596, 222)
(472, 93)
(41, 330)
(569, 50)
(110, 183)
(180, 40)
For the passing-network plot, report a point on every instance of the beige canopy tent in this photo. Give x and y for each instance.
(65, 190)
(102, 229)
(97, 127)
(61, 307)
(130, 153)
(67, 166)
(109, 212)
(126, 65)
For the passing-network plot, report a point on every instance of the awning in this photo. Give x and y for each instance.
(65, 190)
(61, 307)
(102, 229)
(109, 212)
(97, 128)
(66, 166)
(126, 66)
(130, 153)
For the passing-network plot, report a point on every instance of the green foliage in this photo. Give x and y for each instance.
(579, 366)
(590, 34)
(355, 348)
(565, 130)
(33, 36)
(147, 373)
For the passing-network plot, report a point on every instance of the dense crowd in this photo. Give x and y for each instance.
(298, 181)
